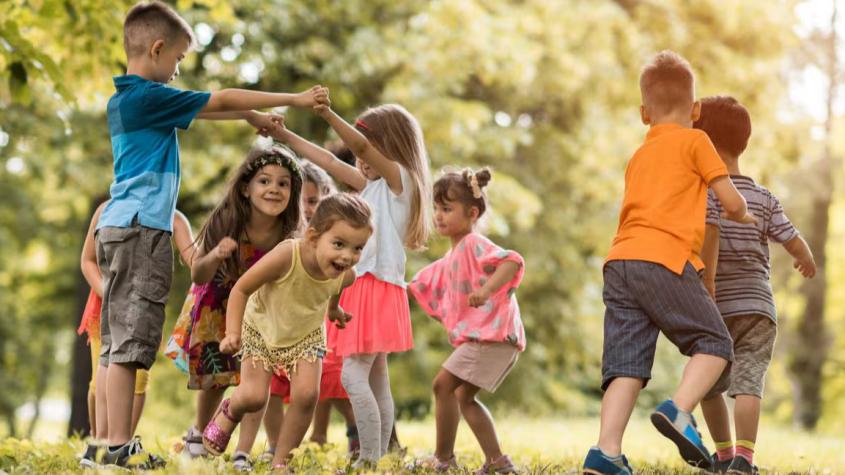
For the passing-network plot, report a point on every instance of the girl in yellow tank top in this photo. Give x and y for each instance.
(275, 320)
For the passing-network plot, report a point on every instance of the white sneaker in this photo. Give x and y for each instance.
(193, 444)
(240, 460)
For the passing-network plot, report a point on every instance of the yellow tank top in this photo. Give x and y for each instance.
(290, 308)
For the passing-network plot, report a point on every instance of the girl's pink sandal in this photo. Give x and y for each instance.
(214, 438)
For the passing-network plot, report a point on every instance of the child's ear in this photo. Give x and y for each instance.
(311, 235)
(644, 115)
(696, 111)
(474, 213)
(156, 48)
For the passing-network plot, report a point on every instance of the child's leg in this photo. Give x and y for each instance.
(120, 389)
(250, 396)
(479, 420)
(715, 411)
(380, 383)
(747, 420)
(700, 374)
(207, 402)
(101, 395)
(447, 414)
(320, 427)
(138, 401)
(304, 393)
(616, 408)
(274, 416)
(94, 345)
(250, 426)
(356, 380)
(344, 407)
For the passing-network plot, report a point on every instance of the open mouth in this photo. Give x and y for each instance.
(339, 268)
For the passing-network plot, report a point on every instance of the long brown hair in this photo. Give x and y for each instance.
(398, 136)
(231, 215)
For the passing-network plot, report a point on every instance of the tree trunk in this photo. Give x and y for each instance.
(812, 342)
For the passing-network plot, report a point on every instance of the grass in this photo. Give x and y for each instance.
(539, 446)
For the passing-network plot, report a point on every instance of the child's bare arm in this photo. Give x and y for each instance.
(270, 267)
(204, 266)
(504, 273)
(228, 100)
(183, 238)
(321, 157)
(88, 261)
(362, 148)
(264, 122)
(335, 313)
(732, 201)
(710, 256)
(799, 250)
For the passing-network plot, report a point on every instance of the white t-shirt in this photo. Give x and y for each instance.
(384, 254)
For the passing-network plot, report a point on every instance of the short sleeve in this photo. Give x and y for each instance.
(167, 107)
(781, 229)
(714, 209)
(706, 161)
(490, 256)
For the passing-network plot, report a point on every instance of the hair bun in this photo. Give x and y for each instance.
(483, 177)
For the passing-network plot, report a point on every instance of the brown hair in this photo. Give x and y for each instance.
(397, 135)
(459, 187)
(667, 83)
(147, 22)
(726, 122)
(231, 215)
(316, 175)
(341, 207)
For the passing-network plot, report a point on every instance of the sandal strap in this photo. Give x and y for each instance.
(224, 408)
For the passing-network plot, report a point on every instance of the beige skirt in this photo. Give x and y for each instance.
(282, 360)
(482, 364)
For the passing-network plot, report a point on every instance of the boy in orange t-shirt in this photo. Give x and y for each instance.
(651, 275)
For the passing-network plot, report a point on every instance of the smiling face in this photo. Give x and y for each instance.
(269, 190)
(339, 248)
(452, 218)
(166, 56)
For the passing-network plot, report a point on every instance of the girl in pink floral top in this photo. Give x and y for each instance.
(471, 291)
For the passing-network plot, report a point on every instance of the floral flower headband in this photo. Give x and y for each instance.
(274, 157)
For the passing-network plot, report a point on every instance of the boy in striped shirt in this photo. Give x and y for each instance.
(740, 285)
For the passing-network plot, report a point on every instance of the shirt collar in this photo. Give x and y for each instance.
(660, 129)
(127, 80)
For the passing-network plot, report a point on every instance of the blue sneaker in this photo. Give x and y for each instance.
(674, 425)
(597, 463)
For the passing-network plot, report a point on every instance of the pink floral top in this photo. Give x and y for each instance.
(443, 287)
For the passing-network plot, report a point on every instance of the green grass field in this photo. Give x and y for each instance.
(539, 446)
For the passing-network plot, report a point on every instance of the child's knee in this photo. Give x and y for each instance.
(252, 400)
(465, 397)
(441, 387)
(306, 398)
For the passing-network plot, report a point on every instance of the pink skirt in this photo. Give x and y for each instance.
(381, 319)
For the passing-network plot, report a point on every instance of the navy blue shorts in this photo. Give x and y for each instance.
(644, 298)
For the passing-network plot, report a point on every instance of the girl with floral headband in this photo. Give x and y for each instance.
(261, 208)
(471, 291)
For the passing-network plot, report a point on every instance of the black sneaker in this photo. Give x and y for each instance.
(741, 466)
(720, 466)
(132, 456)
(92, 456)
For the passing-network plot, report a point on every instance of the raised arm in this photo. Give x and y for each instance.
(88, 261)
(799, 250)
(228, 100)
(362, 148)
(183, 239)
(732, 201)
(710, 256)
(321, 157)
(269, 268)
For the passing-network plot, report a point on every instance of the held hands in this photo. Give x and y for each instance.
(323, 105)
(266, 123)
(807, 267)
(479, 297)
(339, 317)
(231, 343)
(224, 249)
(313, 97)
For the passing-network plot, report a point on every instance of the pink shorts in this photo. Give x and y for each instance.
(482, 364)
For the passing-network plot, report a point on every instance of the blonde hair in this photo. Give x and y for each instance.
(398, 136)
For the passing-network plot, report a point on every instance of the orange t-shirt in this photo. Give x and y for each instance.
(662, 218)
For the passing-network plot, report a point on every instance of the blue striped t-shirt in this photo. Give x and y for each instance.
(143, 118)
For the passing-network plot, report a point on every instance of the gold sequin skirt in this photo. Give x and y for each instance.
(282, 360)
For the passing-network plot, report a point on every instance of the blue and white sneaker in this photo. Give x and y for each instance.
(597, 463)
(680, 427)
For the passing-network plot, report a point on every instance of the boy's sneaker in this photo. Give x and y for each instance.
(132, 456)
(193, 444)
(597, 463)
(92, 456)
(679, 427)
(240, 460)
(720, 466)
(741, 466)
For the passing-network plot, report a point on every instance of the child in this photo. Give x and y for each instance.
(282, 301)
(260, 209)
(90, 324)
(651, 282)
(471, 292)
(740, 285)
(132, 233)
(392, 176)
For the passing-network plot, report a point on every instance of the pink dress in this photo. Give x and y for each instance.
(443, 287)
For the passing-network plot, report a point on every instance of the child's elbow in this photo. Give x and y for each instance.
(360, 147)
(737, 208)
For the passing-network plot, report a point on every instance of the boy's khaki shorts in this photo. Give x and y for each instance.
(754, 342)
(137, 267)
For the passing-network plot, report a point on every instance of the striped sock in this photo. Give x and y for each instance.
(725, 450)
(745, 449)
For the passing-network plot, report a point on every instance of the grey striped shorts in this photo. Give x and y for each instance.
(643, 299)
